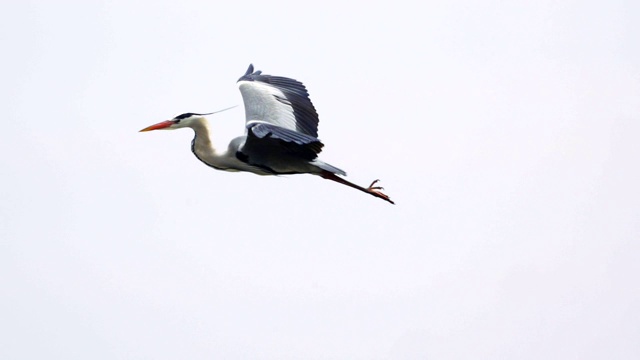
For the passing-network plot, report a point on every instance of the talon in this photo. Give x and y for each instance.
(381, 195)
(374, 190)
(371, 187)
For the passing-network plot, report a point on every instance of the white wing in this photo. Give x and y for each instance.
(278, 101)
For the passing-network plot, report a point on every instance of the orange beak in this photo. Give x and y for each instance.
(160, 125)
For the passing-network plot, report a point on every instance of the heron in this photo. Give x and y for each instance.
(280, 137)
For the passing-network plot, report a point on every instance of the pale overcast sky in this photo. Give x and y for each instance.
(507, 132)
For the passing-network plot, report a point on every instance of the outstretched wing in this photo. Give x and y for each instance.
(277, 101)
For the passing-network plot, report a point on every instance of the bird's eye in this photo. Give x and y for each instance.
(176, 121)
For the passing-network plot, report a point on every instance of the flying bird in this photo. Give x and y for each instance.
(281, 133)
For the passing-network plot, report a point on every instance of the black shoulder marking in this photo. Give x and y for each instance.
(245, 159)
(242, 156)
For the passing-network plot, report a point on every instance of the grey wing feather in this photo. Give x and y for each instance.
(277, 150)
(279, 101)
(275, 138)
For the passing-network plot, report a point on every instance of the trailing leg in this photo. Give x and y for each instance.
(371, 190)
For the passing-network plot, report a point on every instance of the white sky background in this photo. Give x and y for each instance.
(507, 133)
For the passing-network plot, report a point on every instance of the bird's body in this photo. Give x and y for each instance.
(280, 133)
(265, 163)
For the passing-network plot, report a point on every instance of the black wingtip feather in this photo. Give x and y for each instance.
(250, 74)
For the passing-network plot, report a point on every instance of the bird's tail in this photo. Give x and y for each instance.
(328, 167)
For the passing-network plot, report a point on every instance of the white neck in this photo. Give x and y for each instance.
(202, 141)
(204, 150)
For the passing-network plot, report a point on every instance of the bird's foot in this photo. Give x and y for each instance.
(371, 187)
(375, 191)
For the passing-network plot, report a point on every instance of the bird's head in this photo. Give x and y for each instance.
(180, 121)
